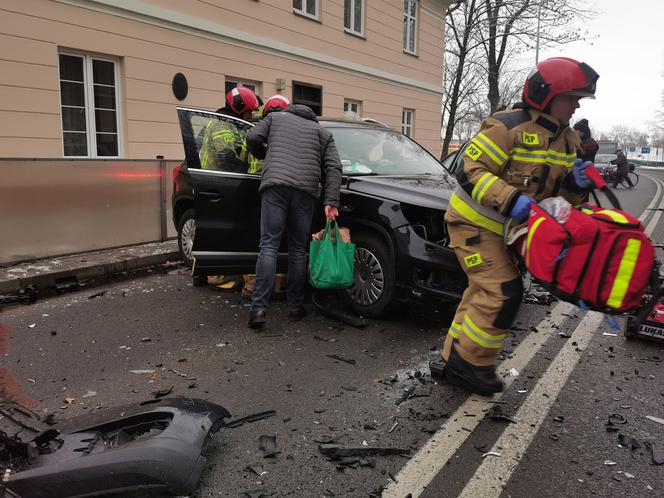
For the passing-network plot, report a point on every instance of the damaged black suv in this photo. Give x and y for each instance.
(393, 198)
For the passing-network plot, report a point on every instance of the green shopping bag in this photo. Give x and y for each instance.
(331, 261)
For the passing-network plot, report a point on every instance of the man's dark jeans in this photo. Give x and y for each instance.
(290, 209)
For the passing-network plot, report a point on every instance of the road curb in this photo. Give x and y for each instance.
(103, 269)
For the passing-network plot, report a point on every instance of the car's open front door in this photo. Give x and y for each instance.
(226, 198)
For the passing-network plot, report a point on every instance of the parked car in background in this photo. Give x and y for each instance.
(394, 195)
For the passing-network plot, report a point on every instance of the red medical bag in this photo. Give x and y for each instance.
(597, 258)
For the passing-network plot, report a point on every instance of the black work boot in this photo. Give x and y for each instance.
(256, 319)
(458, 372)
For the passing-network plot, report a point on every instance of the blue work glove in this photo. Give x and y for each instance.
(579, 172)
(521, 208)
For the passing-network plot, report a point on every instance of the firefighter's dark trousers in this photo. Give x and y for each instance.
(491, 301)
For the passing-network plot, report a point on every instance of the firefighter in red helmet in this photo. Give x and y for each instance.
(519, 156)
(223, 147)
(222, 141)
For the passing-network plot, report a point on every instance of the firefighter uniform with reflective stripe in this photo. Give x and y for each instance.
(516, 151)
(222, 145)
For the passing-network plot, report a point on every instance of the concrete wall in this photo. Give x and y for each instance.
(261, 40)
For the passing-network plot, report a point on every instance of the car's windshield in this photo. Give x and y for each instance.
(372, 151)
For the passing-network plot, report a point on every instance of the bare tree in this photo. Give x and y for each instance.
(461, 66)
(516, 26)
(627, 135)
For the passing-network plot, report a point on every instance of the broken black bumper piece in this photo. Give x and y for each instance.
(157, 444)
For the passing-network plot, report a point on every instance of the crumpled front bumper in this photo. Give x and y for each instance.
(155, 444)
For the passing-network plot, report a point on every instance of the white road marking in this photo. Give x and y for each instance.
(493, 473)
(646, 212)
(432, 457)
(655, 217)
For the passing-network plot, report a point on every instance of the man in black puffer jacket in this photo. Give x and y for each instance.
(298, 154)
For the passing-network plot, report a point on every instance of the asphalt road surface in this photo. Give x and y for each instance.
(570, 371)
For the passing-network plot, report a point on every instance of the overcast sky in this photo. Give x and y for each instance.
(628, 54)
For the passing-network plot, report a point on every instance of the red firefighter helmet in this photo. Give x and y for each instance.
(241, 99)
(275, 103)
(555, 76)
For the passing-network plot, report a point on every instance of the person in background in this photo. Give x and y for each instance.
(299, 154)
(275, 103)
(588, 147)
(622, 169)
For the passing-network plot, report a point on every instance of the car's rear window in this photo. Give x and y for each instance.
(371, 151)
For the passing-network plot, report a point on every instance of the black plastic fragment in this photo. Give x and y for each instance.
(65, 284)
(631, 442)
(333, 451)
(496, 412)
(341, 358)
(268, 444)
(162, 392)
(405, 395)
(25, 295)
(98, 294)
(250, 418)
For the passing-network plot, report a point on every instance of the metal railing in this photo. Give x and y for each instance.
(52, 207)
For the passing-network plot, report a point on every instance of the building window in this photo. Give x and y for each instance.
(89, 104)
(307, 8)
(354, 106)
(409, 25)
(407, 122)
(231, 83)
(354, 16)
(309, 95)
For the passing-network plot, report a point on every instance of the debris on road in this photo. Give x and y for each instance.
(491, 453)
(496, 413)
(89, 394)
(394, 426)
(341, 358)
(250, 418)
(333, 451)
(628, 441)
(163, 392)
(25, 295)
(655, 419)
(98, 294)
(142, 372)
(657, 454)
(256, 469)
(405, 395)
(268, 444)
(66, 284)
(513, 372)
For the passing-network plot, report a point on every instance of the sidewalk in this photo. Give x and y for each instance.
(46, 273)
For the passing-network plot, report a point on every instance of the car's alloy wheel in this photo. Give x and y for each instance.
(186, 234)
(369, 278)
(374, 284)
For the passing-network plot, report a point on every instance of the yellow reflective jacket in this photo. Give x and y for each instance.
(515, 151)
(222, 147)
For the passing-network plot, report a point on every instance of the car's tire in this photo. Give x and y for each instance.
(186, 234)
(374, 284)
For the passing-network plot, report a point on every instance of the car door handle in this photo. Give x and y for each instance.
(213, 196)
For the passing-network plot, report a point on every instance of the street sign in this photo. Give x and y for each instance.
(632, 148)
(645, 150)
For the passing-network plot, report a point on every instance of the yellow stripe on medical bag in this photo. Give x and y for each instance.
(625, 272)
(531, 233)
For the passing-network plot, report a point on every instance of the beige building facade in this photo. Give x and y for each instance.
(102, 78)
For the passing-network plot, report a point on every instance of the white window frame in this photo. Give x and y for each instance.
(348, 106)
(241, 82)
(407, 18)
(407, 121)
(90, 121)
(350, 30)
(303, 10)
